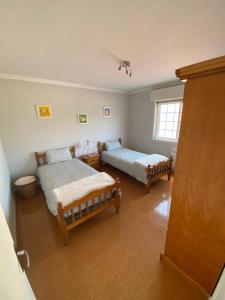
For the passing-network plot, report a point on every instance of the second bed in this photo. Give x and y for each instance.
(145, 168)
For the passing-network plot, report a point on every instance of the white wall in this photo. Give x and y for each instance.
(13, 281)
(219, 293)
(6, 198)
(141, 120)
(23, 133)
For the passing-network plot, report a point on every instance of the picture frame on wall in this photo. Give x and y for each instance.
(44, 111)
(107, 112)
(82, 118)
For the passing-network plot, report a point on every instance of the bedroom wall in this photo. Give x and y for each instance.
(141, 120)
(219, 293)
(23, 133)
(6, 197)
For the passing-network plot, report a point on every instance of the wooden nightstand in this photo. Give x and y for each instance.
(92, 159)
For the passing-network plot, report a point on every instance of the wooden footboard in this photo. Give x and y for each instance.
(159, 170)
(75, 218)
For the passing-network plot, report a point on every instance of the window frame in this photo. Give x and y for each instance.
(156, 119)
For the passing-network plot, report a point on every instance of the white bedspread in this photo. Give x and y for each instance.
(82, 187)
(151, 160)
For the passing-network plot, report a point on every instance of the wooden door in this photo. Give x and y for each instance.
(13, 281)
(196, 231)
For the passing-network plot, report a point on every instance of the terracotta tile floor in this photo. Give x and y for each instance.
(110, 256)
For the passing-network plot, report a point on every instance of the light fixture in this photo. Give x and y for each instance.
(124, 64)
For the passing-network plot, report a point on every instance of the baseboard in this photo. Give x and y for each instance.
(164, 258)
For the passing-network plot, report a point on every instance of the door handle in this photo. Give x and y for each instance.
(24, 252)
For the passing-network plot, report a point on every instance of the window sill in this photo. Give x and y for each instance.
(166, 141)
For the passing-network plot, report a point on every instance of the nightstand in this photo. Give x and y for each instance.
(92, 159)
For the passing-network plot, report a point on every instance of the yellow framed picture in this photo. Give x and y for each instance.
(44, 111)
(82, 118)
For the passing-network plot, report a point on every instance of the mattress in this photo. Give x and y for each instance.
(123, 159)
(58, 174)
(132, 162)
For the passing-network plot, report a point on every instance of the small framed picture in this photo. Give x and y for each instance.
(82, 118)
(44, 111)
(107, 112)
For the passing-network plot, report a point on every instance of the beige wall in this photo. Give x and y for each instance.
(6, 197)
(219, 293)
(141, 120)
(23, 133)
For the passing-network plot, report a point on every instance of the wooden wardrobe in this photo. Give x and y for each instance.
(195, 240)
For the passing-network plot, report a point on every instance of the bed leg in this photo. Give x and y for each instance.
(118, 195)
(62, 224)
(171, 166)
(117, 206)
(65, 236)
(148, 187)
(148, 178)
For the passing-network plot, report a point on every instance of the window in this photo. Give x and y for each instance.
(167, 120)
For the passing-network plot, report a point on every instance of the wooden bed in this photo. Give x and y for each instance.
(74, 219)
(152, 172)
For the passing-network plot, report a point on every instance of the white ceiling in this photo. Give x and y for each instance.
(81, 41)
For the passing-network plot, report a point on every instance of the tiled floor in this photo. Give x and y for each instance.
(110, 256)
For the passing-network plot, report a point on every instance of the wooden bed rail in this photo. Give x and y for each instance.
(74, 219)
(159, 170)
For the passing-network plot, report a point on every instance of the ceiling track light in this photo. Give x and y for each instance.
(124, 64)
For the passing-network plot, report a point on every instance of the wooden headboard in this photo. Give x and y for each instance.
(101, 146)
(42, 159)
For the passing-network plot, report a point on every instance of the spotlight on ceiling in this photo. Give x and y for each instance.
(124, 64)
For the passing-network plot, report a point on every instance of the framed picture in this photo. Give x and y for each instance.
(82, 118)
(107, 112)
(44, 111)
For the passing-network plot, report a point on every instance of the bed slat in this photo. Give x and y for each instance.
(72, 214)
(80, 212)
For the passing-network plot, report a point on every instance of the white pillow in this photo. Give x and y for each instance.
(57, 155)
(112, 145)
